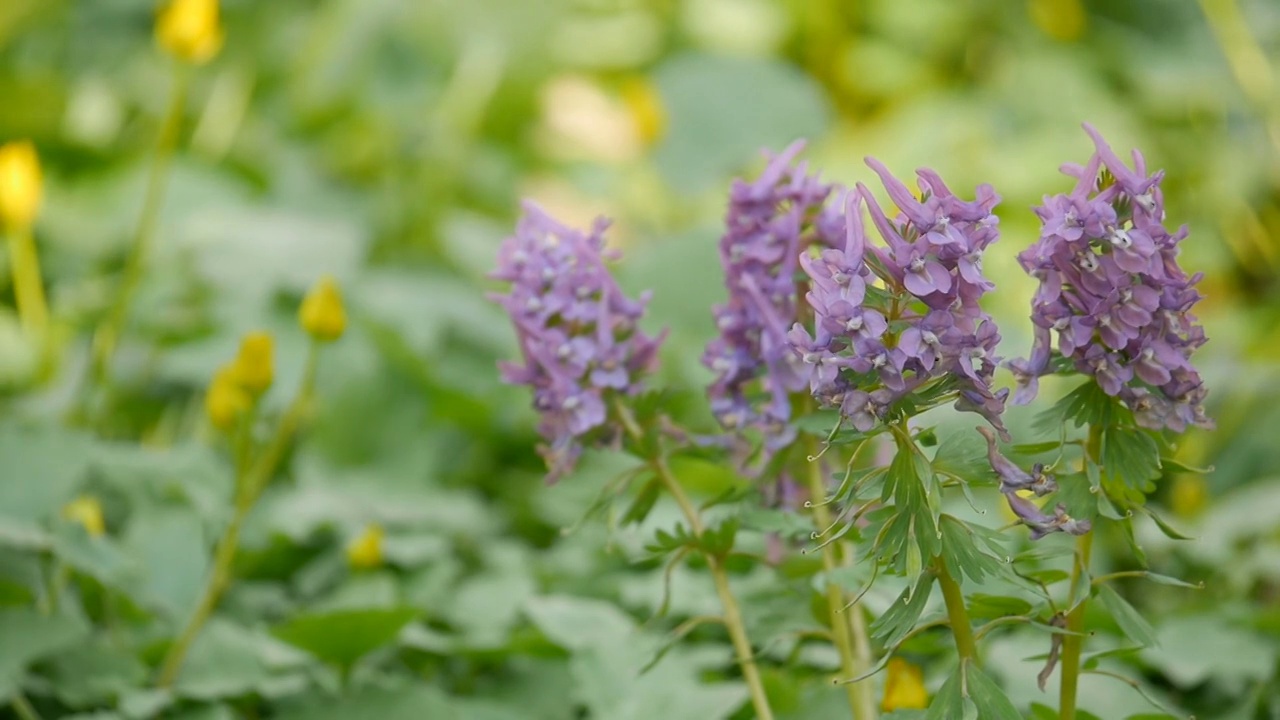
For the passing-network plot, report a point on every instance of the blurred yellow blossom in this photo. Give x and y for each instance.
(1059, 19)
(254, 365)
(87, 512)
(365, 551)
(20, 184)
(1189, 495)
(904, 687)
(322, 314)
(647, 112)
(190, 30)
(226, 400)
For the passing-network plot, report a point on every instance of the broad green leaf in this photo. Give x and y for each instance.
(992, 703)
(27, 636)
(42, 467)
(1128, 618)
(709, 138)
(1194, 649)
(343, 637)
(168, 542)
(578, 623)
(225, 661)
(95, 673)
(410, 702)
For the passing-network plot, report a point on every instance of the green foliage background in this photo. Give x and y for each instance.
(388, 142)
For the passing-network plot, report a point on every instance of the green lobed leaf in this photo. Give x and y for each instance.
(902, 616)
(961, 553)
(992, 703)
(27, 636)
(1127, 617)
(1130, 459)
(948, 703)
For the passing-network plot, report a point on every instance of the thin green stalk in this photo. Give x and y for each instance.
(28, 288)
(957, 615)
(1073, 644)
(249, 485)
(732, 614)
(108, 334)
(23, 707)
(850, 639)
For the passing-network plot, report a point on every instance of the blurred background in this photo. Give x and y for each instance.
(389, 142)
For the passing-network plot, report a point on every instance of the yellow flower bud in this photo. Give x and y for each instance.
(322, 314)
(87, 512)
(255, 365)
(904, 687)
(20, 184)
(365, 552)
(226, 400)
(190, 30)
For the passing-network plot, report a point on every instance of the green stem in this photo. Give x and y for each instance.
(28, 288)
(1073, 644)
(732, 613)
(848, 627)
(249, 485)
(23, 707)
(108, 334)
(957, 615)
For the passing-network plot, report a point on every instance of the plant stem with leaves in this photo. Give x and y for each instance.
(733, 621)
(108, 333)
(251, 479)
(848, 627)
(1072, 643)
(732, 613)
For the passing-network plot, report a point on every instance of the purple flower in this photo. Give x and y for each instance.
(1042, 524)
(922, 324)
(1014, 478)
(577, 332)
(768, 223)
(1113, 292)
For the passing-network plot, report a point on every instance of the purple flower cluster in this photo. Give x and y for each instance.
(1112, 290)
(578, 333)
(888, 321)
(1014, 479)
(769, 223)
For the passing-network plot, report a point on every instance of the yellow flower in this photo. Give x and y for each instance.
(1059, 19)
(20, 184)
(1189, 495)
(226, 400)
(254, 365)
(86, 511)
(322, 314)
(190, 30)
(904, 687)
(645, 105)
(365, 552)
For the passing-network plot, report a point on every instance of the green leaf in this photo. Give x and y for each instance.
(94, 673)
(1074, 492)
(27, 636)
(1086, 405)
(643, 502)
(169, 544)
(948, 703)
(963, 454)
(990, 607)
(709, 138)
(962, 555)
(1130, 459)
(1036, 448)
(1127, 617)
(902, 616)
(411, 702)
(992, 703)
(345, 636)
(42, 467)
(1169, 531)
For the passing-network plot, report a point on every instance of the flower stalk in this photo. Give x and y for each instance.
(733, 621)
(848, 627)
(251, 479)
(107, 337)
(1073, 642)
